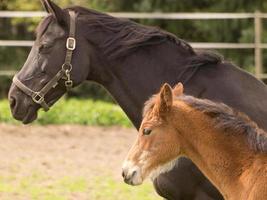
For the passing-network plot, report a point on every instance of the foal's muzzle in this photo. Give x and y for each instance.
(131, 174)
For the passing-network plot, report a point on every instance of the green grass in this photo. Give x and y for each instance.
(37, 187)
(75, 111)
(109, 189)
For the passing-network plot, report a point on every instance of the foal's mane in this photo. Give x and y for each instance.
(224, 118)
(230, 120)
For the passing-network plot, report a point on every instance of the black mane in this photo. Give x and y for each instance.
(128, 34)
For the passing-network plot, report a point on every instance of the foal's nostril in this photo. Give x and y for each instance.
(133, 174)
(128, 178)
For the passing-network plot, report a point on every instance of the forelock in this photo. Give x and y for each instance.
(149, 105)
(43, 25)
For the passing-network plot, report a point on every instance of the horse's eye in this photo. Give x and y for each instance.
(44, 47)
(146, 131)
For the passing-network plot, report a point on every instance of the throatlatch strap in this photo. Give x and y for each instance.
(71, 42)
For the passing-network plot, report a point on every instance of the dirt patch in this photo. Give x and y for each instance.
(63, 150)
(66, 162)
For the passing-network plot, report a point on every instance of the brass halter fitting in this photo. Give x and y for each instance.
(71, 44)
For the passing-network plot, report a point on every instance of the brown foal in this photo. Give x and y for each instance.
(226, 145)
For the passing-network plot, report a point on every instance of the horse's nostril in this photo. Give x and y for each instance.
(123, 174)
(12, 102)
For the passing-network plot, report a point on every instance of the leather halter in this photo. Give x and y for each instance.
(64, 73)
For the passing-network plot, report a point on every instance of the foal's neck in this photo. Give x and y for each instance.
(221, 156)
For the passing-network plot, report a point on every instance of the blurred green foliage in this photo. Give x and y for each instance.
(75, 111)
(240, 30)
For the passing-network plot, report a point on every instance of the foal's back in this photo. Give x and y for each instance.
(227, 121)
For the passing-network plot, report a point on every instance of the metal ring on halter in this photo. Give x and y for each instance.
(38, 98)
(65, 68)
(69, 84)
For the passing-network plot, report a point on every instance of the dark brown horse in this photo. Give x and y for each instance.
(132, 61)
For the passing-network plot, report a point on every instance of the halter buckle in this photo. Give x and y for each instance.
(71, 43)
(38, 98)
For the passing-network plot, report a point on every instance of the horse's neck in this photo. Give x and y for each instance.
(221, 157)
(139, 73)
(133, 79)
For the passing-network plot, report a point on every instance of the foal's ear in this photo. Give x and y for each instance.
(166, 98)
(178, 89)
(55, 10)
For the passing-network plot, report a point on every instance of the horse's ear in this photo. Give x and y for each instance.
(55, 10)
(45, 6)
(178, 89)
(165, 98)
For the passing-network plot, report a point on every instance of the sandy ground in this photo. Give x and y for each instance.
(65, 150)
(53, 148)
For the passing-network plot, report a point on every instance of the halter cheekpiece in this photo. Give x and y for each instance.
(63, 73)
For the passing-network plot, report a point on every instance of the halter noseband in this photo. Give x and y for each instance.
(64, 73)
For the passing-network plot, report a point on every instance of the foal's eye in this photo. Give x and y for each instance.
(146, 131)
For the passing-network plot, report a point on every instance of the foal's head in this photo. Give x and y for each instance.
(157, 145)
